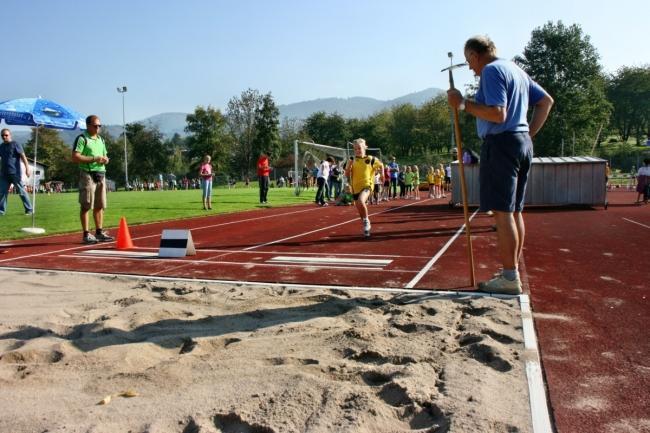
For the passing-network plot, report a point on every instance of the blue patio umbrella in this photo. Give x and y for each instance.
(39, 112)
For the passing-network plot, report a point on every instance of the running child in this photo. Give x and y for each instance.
(360, 172)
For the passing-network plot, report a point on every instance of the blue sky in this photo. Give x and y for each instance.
(173, 56)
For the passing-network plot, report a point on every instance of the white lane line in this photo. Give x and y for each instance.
(314, 254)
(152, 236)
(44, 254)
(211, 226)
(184, 262)
(329, 227)
(638, 223)
(435, 258)
(352, 261)
(119, 253)
(430, 293)
(536, 390)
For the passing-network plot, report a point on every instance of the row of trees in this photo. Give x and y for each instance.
(589, 105)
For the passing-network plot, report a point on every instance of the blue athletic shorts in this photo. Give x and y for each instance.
(505, 163)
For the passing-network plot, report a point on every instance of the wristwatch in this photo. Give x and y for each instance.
(462, 105)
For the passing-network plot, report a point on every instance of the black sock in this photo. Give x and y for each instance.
(86, 233)
(98, 231)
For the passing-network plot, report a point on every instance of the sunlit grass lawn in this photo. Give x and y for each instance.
(59, 213)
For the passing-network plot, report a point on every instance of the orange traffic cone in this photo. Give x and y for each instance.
(124, 241)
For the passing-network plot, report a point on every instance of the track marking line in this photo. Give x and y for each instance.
(638, 223)
(458, 294)
(435, 258)
(536, 389)
(153, 236)
(119, 253)
(46, 253)
(331, 226)
(315, 254)
(211, 226)
(352, 261)
(185, 262)
(305, 233)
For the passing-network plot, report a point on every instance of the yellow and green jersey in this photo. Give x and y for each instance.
(362, 173)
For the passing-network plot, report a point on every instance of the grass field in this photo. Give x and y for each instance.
(59, 213)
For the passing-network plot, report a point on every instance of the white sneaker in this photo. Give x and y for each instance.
(366, 227)
(501, 285)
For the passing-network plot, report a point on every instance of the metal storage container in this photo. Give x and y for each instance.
(577, 180)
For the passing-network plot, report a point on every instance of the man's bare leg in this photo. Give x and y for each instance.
(507, 239)
(521, 234)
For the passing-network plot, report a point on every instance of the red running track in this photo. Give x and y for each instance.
(588, 275)
(298, 245)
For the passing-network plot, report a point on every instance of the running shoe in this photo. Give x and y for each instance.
(103, 236)
(366, 227)
(501, 285)
(89, 239)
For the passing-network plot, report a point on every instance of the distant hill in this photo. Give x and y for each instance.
(167, 123)
(355, 107)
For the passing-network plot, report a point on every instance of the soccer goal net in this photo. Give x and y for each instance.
(307, 158)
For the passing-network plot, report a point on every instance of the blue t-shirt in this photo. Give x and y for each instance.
(10, 153)
(394, 169)
(504, 84)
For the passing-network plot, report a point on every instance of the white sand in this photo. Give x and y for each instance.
(217, 358)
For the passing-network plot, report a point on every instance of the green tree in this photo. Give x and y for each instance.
(328, 129)
(207, 136)
(563, 61)
(629, 92)
(267, 135)
(289, 133)
(241, 116)
(402, 133)
(55, 154)
(433, 129)
(150, 154)
(178, 160)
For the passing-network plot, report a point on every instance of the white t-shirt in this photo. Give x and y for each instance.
(644, 171)
(324, 169)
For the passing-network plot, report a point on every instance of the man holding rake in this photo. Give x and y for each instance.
(501, 104)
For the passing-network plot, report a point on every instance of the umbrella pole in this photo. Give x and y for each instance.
(33, 229)
(34, 180)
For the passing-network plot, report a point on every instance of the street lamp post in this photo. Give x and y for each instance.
(122, 90)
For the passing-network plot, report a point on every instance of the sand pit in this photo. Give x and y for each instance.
(200, 357)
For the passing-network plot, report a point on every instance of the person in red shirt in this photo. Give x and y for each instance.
(263, 170)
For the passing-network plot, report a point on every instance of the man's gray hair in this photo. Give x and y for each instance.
(481, 44)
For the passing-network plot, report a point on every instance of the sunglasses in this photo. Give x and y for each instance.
(97, 126)
(5, 135)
